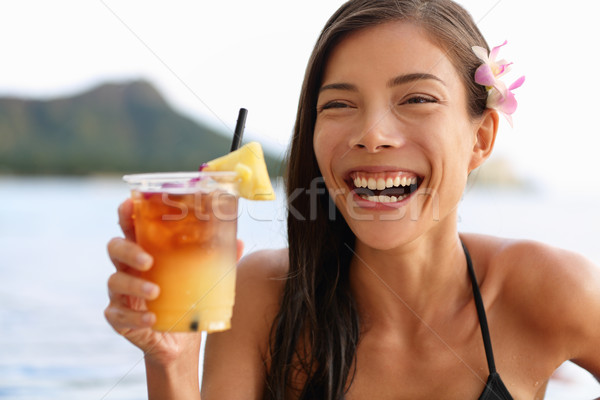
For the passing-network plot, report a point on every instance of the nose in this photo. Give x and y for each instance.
(379, 130)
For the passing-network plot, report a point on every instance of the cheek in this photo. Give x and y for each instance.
(453, 139)
(323, 145)
(318, 149)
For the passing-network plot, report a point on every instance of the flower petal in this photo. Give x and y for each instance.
(501, 88)
(493, 100)
(517, 84)
(485, 76)
(503, 69)
(495, 50)
(509, 119)
(508, 105)
(481, 53)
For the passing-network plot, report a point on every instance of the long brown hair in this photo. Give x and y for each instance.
(316, 332)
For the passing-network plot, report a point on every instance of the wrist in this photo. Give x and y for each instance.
(174, 377)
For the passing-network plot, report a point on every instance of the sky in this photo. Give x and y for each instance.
(210, 58)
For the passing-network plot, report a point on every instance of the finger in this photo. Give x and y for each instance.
(240, 249)
(121, 283)
(124, 252)
(126, 219)
(122, 319)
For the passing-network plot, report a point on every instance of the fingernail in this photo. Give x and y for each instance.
(148, 318)
(144, 260)
(150, 289)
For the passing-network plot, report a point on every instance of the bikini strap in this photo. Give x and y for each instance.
(485, 333)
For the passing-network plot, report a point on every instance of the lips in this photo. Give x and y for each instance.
(384, 187)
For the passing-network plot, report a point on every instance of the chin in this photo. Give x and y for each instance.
(383, 235)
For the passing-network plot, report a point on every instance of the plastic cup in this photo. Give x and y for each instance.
(187, 221)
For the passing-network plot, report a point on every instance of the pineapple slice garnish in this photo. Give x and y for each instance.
(249, 162)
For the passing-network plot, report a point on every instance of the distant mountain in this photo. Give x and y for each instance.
(113, 128)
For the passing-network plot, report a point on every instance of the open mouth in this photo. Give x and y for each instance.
(384, 187)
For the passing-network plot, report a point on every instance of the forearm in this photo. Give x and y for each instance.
(176, 380)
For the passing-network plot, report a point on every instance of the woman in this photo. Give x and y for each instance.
(378, 295)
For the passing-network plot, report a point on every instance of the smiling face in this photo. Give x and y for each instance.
(393, 138)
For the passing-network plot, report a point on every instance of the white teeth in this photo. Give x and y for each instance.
(382, 183)
(383, 198)
(372, 184)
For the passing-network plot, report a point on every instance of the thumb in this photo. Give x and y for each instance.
(240, 249)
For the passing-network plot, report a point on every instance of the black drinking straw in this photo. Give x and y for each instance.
(239, 129)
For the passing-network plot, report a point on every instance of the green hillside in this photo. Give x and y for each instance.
(113, 128)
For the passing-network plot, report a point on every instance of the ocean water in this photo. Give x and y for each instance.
(54, 341)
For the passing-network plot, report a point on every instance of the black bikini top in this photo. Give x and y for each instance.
(494, 388)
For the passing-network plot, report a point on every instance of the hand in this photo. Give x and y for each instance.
(127, 312)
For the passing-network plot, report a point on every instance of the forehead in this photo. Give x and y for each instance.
(388, 49)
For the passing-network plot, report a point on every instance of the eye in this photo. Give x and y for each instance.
(333, 105)
(419, 99)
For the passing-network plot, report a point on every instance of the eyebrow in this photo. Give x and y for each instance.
(396, 81)
(339, 86)
(402, 79)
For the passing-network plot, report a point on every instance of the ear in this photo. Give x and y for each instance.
(485, 138)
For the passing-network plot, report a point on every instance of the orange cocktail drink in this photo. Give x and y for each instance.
(188, 223)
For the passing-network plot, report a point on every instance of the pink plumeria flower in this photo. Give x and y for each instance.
(500, 97)
(507, 104)
(489, 72)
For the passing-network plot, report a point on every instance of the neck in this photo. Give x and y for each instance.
(421, 281)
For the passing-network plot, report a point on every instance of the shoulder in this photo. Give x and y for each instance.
(259, 284)
(260, 280)
(561, 293)
(533, 268)
(238, 355)
(554, 277)
(264, 264)
(551, 292)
